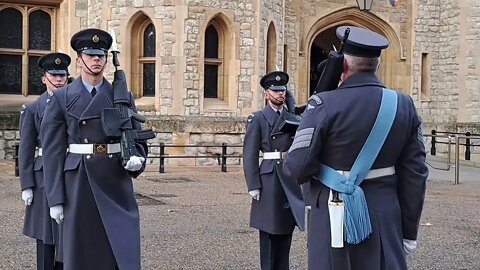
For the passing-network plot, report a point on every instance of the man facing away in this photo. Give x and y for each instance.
(384, 187)
(277, 204)
(37, 222)
(88, 189)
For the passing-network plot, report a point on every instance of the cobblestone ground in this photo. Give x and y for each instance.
(197, 218)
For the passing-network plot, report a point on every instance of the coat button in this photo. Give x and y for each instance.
(84, 123)
(85, 140)
(89, 156)
(273, 138)
(110, 156)
(278, 162)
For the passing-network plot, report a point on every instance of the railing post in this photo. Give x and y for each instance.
(457, 160)
(161, 169)
(224, 157)
(433, 149)
(467, 146)
(17, 172)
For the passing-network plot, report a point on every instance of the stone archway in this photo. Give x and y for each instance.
(393, 69)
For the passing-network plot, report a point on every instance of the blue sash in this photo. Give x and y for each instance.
(357, 219)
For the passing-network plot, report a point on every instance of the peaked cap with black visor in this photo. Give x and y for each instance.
(275, 81)
(55, 63)
(91, 41)
(362, 42)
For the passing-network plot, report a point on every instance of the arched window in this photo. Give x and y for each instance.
(212, 62)
(143, 57)
(271, 48)
(17, 78)
(148, 61)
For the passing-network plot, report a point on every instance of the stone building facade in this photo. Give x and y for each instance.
(195, 65)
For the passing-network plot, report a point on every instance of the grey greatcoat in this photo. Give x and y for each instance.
(281, 205)
(37, 223)
(333, 134)
(101, 225)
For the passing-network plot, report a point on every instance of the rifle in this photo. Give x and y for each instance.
(333, 68)
(118, 123)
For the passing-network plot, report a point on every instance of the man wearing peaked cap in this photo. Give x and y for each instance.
(88, 189)
(277, 204)
(367, 182)
(37, 222)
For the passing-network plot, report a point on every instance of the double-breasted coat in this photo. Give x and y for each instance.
(281, 205)
(37, 222)
(101, 224)
(333, 134)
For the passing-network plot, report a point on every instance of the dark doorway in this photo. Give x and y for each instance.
(323, 43)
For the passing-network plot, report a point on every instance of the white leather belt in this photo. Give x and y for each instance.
(107, 148)
(374, 173)
(273, 155)
(39, 152)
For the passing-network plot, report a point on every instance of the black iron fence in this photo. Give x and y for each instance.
(437, 137)
(221, 157)
(443, 137)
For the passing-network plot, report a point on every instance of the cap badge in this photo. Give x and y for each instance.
(278, 78)
(95, 39)
(58, 61)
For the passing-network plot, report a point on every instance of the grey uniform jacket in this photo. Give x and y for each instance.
(101, 225)
(281, 205)
(37, 223)
(333, 134)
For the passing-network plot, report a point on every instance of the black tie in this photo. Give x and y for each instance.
(94, 92)
(278, 112)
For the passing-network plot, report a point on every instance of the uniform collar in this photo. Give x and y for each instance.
(361, 79)
(89, 87)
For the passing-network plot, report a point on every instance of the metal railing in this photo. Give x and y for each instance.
(221, 158)
(453, 138)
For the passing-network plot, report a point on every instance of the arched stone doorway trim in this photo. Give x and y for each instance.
(393, 72)
(354, 16)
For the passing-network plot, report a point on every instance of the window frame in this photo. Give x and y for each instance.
(25, 10)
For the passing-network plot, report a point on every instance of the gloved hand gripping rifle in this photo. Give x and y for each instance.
(118, 122)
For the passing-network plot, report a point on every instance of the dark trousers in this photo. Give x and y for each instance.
(275, 251)
(46, 257)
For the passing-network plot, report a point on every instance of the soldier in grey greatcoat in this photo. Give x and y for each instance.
(37, 222)
(88, 189)
(332, 132)
(277, 204)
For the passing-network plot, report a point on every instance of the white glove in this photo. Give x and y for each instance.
(56, 212)
(409, 245)
(27, 196)
(134, 163)
(255, 194)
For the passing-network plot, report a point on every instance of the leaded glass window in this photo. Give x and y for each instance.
(22, 45)
(211, 81)
(212, 63)
(11, 70)
(149, 79)
(148, 61)
(39, 30)
(149, 41)
(35, 85)
(211, 42)
(11, 29)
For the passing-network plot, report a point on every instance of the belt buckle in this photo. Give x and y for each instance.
(282, 155)
(99, 148)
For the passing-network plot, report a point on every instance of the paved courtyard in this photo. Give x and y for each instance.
(197, 218)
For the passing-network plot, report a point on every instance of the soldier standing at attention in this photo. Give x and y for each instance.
(88, 189)
(38, 223)
(277, 204)
(361, 149)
